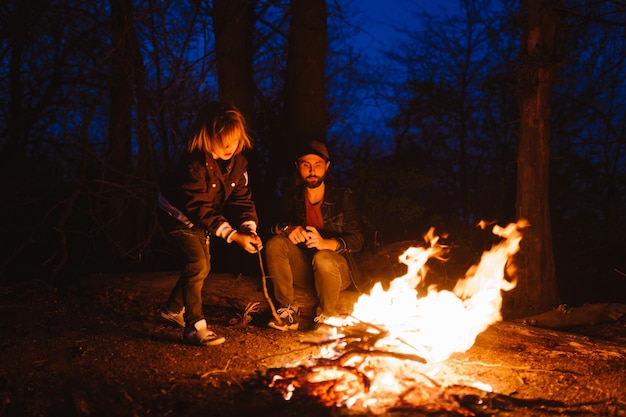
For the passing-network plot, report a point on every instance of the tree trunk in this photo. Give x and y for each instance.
(144, 169)
(536, 289)
(121, 93)
(119, 161)
(233, 25)
(125, 217)
(144, 183)
(305, 91)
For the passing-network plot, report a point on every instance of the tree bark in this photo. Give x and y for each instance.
(121, 93)
(536, 289)
(126, 219)
(119, 158)
(306, 117)
(233, 25)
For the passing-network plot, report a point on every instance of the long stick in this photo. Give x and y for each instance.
(267, 296)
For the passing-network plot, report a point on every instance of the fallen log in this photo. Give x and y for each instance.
(238, 291)
(564, 317)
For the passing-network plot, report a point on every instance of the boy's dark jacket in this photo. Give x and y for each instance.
(207, 196)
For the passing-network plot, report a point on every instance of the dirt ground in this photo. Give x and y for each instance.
(99, 349)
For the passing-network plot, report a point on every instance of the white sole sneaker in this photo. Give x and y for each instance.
(201, 335)
(175, 320)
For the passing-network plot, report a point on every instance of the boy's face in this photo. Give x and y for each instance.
(225, 151)
(312, 169)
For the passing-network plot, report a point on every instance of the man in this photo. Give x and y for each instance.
(312, 247)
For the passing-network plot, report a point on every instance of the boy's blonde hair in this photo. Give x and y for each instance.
(218, 124)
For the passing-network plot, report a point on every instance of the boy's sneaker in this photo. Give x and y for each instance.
(175, 319)
(201, 335)
(289, 319)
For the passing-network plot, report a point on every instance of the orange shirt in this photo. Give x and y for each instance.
(314, 214)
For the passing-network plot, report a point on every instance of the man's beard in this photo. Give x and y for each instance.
(313, 184)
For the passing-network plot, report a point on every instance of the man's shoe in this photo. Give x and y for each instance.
(289, 319)
(319, 320)
(175, 319)
(201, 335)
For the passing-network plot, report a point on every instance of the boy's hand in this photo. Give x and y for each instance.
(251, 243)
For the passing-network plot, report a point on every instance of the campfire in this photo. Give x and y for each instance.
(388, 354)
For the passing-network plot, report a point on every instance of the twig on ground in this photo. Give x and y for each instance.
(215, 371)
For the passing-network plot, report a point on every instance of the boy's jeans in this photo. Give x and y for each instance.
(188, 289)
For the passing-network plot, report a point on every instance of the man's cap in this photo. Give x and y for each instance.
(313, 148)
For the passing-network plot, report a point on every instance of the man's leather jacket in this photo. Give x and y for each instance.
(341, 221)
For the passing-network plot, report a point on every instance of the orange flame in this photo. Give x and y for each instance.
(442, 322)
(409, 334)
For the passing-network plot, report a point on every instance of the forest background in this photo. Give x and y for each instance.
(500, 111)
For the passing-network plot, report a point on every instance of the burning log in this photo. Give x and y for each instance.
(358, 367)
(358, 339)
(332, 385)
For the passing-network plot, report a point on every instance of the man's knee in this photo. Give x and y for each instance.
(325, 260)
(276, 244)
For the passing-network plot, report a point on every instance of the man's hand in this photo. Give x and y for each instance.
(249, 242)
(297, 235)
(311, 238)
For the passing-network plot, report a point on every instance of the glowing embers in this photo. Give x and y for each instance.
(372, 381)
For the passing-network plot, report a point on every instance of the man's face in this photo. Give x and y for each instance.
(312, 170)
